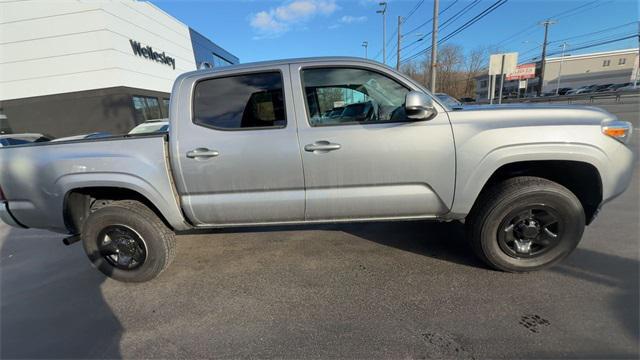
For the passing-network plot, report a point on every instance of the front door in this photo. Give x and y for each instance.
(238, 160)
(362, 157)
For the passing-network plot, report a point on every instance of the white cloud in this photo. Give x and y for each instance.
(278, 20)
(348, 19)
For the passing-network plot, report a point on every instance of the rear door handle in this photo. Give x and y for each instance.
(202, 153)
(322, 146)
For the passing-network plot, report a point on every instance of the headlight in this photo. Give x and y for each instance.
(619, 130)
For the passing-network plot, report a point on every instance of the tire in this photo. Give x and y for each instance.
(519, 208)
(129, 227)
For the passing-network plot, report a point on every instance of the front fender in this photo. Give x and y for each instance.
(471, 179)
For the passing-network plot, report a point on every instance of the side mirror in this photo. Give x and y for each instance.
(419, 106)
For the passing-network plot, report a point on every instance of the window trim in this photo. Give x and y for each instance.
(350, 123)
(224, 76)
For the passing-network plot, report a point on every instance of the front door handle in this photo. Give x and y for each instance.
(322, 146)
(202, 153)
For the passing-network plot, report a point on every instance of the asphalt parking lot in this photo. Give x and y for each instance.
(384, 290)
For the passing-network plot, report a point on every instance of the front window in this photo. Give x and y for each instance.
(337, 96)
(240, 102)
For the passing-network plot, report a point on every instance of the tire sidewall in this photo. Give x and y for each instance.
(570, 214)
(108, 216)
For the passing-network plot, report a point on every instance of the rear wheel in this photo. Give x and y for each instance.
(525, 224)
(127, 241)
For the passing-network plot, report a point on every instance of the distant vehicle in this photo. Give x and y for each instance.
(584, 89)
(94, 135)
(629, 87)
(151, 126)
(563, 91)
(21, 139)
(449, 100)
(467, 100)
(616, 87)
(241, 151)
(602, 88)
(549, 93)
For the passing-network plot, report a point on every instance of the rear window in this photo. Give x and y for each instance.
(252, 101)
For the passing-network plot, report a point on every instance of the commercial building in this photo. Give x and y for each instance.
(610, 67)
(78, 66)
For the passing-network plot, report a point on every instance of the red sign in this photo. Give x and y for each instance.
(524, 71)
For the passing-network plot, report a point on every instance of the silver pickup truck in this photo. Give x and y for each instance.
(320, 140)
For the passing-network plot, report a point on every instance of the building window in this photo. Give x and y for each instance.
(606, 63)
(165, 107)
(483, 83)
(240, 102)
(146, 108)
(622, 61)
(340, 96)
(219, 61)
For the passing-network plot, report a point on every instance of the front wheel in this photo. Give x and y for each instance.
(525, 224)
(127, 241)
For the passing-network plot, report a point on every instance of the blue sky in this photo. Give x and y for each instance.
(264, 30)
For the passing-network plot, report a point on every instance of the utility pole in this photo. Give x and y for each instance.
(365, 45)
(384, 30)
(546, 24)
(564, 47)
(434, 46)
(635, 81)
(399, 40)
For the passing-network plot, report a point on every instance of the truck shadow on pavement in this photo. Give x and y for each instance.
(615, 272)
(52, 304)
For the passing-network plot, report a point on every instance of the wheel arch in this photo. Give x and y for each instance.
(581, 178)
(79, 202)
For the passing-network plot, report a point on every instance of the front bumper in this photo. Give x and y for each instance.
(6, 216)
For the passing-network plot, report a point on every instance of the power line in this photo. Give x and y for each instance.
(463, 27)
(449, 20)
(412, 11)
(563, 14)
(430, 20)
(590, 45)
(595, 32)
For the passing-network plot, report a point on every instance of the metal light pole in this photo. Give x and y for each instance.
(434, 46)
(564, 47)
(384, 30)
(365, 45)
(546, 24)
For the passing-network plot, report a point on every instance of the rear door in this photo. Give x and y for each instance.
(362, 157)
(235, 149)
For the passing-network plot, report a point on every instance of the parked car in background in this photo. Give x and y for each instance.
(629, 87)
(467, 100)
(242, 150)
(563, 91)
(449, 100)
(151, 126)
(615, 87)
(585, 89)
(21, 139)
(601, 88)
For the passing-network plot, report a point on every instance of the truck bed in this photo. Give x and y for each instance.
(37, 178)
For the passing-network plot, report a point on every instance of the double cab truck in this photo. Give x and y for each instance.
(320, 140)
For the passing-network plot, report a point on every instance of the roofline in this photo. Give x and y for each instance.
(596, 54)
(287, 62)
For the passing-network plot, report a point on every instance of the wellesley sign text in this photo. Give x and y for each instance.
(147, 52)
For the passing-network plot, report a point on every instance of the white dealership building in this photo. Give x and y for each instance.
(76, 66)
